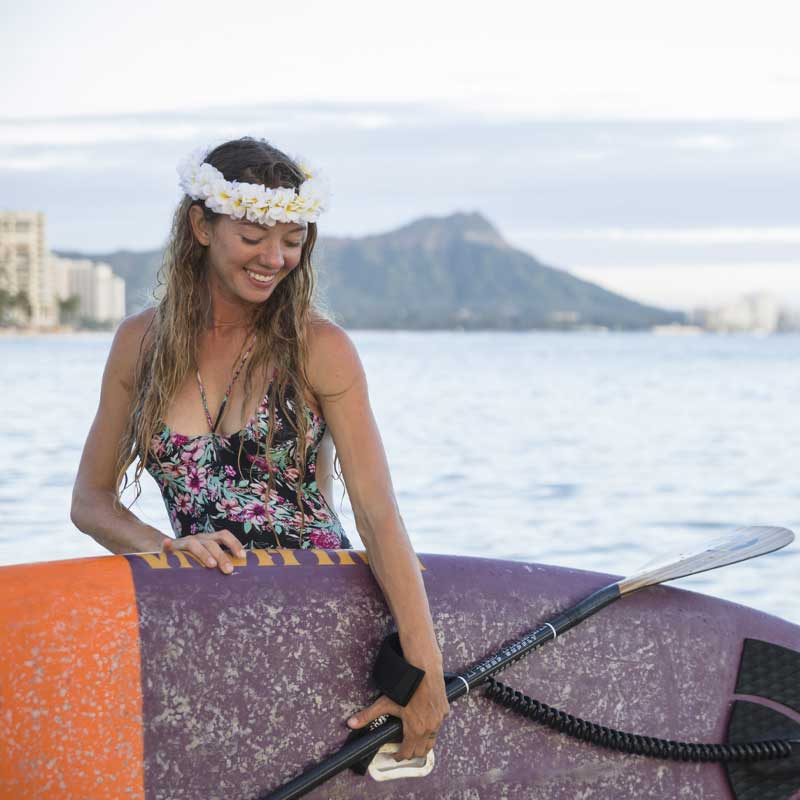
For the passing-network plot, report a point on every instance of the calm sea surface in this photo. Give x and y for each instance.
(595, 451)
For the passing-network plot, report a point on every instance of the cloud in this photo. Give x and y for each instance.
(689, 286)
(781, 234)
(69, 160)
(217, 122)
(32, 133)
(567, 187)
(708, 141)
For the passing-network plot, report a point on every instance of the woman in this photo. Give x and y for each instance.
(203, 390)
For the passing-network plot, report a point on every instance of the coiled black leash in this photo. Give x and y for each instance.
(634, 743)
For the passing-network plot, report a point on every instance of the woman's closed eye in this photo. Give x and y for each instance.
(258, 241)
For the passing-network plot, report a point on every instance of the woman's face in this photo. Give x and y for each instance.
(247, 260)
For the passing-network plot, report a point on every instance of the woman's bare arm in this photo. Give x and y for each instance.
(336, 370)
(93, 508)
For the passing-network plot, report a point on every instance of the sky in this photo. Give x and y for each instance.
(650, 147)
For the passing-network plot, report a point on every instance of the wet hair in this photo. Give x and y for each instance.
(169, 349)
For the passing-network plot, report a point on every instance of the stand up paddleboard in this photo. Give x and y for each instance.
(150, 676)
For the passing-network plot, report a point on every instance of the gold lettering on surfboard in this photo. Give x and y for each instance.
(323, 559)
(288, 556)
(263, 558)
(161, 560)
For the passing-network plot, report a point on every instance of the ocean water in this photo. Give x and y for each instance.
(595, 451)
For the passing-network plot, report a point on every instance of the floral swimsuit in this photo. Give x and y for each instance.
(208, 486)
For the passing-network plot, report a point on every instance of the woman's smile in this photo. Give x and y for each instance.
(261, 278)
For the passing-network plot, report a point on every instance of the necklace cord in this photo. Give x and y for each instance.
(213, 425)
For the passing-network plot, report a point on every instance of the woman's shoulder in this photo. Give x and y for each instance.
(129, 340)
(322, 331)
(132, 333)
(333, 360)
(136, 326)
(327, 340)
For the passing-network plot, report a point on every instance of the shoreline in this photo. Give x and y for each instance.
(24, 333)
(657, 330)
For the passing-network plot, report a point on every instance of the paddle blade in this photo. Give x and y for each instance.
(741, 544)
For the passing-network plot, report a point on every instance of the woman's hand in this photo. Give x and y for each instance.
(205, 547)
(422, 717)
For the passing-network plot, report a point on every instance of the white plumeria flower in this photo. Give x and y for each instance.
(197, 176)
(307, 170)
(257, 203)
(222, 197)
(239, 205)
(251, 193)
(281, 197)
(316, 194)
(205, 178)
(202, 181)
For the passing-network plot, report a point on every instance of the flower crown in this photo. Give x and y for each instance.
(257, 203)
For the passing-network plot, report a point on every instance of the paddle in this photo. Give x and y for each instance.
(740, 545)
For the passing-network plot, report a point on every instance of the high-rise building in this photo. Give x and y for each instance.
(759, 312)
(24, 267)
(764, 310)
(100, 293)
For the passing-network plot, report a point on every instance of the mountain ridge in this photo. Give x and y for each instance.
(436, 272)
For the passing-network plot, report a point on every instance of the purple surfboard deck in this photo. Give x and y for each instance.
(247, 679)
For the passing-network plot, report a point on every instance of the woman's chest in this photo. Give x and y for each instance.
(204, 404)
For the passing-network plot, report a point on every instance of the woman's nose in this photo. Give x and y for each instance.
(271, 255)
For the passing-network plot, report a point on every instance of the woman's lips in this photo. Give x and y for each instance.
(261, 278)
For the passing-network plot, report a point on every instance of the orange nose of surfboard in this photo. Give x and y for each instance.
(71, 713)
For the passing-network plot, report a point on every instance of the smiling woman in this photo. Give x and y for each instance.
(232, 392)
(266, 256)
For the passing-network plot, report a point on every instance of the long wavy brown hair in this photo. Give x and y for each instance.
(169, 349)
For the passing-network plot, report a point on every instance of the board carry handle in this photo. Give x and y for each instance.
(740, 545)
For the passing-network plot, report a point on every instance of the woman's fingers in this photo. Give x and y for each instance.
(193, 545)
(231, 542)
(205, 547)
(383, 705)
(413, 746)
(219, 555)
(418, 737)
(423, 717)
(226, 538)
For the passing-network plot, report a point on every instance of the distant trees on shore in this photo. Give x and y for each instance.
(15, 308)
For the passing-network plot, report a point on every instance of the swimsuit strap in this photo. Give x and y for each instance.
(211, 424)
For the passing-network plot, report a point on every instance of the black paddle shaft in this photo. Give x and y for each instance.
(456, 687)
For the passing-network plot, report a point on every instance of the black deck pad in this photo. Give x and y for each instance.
(763, 780)
(771, 671)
